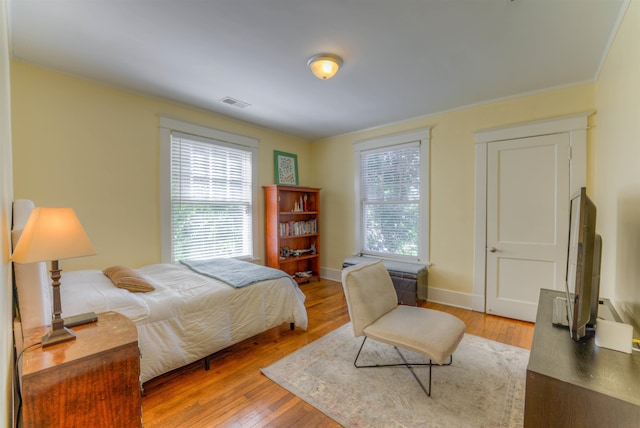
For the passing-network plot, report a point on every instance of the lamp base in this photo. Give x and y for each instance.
(55, 336)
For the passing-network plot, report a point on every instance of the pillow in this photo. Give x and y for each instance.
(129, 279)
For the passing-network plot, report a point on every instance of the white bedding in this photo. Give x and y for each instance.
(188, 316)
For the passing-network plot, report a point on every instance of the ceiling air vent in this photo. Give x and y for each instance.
(234, 102)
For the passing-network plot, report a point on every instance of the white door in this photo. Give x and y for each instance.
(527, 222)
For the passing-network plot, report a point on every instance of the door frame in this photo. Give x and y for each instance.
(575, 125)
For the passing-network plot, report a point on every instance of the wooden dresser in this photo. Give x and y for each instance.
(577, 384)
(93, 381)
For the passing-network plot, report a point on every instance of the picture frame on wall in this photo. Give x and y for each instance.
(285, 168)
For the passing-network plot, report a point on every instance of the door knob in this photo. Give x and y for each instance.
(493, 249)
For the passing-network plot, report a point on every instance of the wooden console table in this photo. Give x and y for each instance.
(577, 384)
(93, 381)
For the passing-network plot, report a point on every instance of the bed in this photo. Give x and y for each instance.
(187, 317)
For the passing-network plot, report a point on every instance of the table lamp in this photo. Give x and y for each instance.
(52, 234)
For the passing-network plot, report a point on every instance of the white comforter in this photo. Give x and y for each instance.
(188, 316)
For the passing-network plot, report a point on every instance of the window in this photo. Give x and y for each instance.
(209, 193)
(392, 195)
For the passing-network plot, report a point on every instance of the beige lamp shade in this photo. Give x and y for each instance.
(324, 66)
(52, 234)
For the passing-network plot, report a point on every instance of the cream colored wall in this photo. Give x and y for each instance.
(95, 148)
(6, 197)
(452, 178)
(617, 164)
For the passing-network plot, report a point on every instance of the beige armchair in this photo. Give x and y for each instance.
(375, 313)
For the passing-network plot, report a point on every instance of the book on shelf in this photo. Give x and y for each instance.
(296, 228)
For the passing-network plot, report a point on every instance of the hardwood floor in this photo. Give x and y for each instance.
(234, 393)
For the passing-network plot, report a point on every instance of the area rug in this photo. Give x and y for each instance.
(484, 387)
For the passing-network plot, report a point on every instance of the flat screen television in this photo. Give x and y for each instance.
(583, 267)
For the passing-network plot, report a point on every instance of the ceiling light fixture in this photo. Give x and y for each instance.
(324, 66)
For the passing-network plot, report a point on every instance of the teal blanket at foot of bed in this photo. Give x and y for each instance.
(234, 272)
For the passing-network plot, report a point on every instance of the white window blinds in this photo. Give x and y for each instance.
(390, 200)
(211, 198)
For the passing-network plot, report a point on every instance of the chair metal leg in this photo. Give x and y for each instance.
(405, 364)
(428, 392)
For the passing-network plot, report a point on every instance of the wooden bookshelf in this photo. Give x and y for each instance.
(292, 223)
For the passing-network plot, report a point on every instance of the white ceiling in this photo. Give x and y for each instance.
(402, 58)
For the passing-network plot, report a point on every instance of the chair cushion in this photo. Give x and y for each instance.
(370, 293)
(432, 333)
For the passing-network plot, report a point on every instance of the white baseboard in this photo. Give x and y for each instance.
(436, 295)
(331, 274)
(451, 298)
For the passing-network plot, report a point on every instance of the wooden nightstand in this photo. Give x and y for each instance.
(93, 381)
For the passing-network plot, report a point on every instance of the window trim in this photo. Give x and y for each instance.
(423, 138)
(169, 125)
